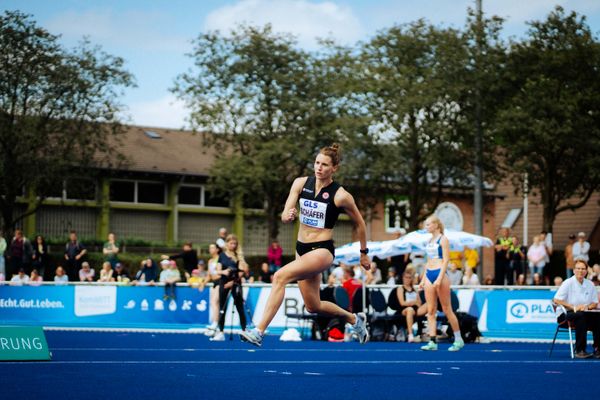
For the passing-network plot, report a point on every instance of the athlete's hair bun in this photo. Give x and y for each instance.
(332, 152)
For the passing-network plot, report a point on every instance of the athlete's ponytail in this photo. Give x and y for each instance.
(332, 152)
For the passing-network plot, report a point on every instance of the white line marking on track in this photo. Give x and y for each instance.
(263, 362)
(415, 350)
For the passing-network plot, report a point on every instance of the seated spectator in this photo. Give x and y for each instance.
(470, 278)
(537, 280)
(60, 276)
(169, 276)
(199, 277)
(106, 273)
(35, 279)
(265, 275)
(521, 280)
(86, 273)
(20, 278)
(577, 295)
(392, 279)
(120, 274)
(147, 275)
(245, 273)
(350, 284)
(558, 280)
(411, 306)
(454, 274)
(489, 280)
(373, 275)
(274, 254)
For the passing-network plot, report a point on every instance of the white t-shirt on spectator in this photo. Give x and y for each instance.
(20, 280)
(576, 293)
(473, 280)
(581, 252)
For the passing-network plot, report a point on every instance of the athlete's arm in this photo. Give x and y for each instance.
(345, 200)
(289, 211)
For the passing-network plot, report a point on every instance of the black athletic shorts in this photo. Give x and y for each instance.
(303, 248)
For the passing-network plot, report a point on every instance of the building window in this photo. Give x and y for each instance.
(150, 192)
(397, 214)
(122, 191)
(212, 200)
(190, 195)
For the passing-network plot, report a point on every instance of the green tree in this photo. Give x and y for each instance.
(58, 112)
(550, 124)
(266, 106)
(411, 86)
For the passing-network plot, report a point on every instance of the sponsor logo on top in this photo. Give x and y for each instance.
(530, 311)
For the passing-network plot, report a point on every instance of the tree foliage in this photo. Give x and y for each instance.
(58, 111)
(267, 107)
(550, 124)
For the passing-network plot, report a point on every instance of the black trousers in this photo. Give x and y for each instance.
(584, 322)
(500, 267)
(238, 301)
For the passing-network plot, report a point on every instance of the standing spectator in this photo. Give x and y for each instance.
(86, 273)
(189, 257)
(20, 252)
(454, 274)
(350, 284)
(214, 251)
(470, 278)
(471, 258)
(581, 248)
(35, 279)
(2, 250)
(503, 243)
(577, 295)
(120, 275)
(60, 277)
(111, 250)
(569, 260)
(274, 256)
(536, 255)
(74, 252)
(456, 258)
(546, 240)
(222, 238)
(106, 273)
(516, 259)
(147, 275)
(20, 278)
(265, 275)
(40, 255)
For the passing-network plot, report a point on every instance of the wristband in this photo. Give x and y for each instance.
(364, 251)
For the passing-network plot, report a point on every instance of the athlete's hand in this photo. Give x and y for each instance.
(292, 215)
(365, 261)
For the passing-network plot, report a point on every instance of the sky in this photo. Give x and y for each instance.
(153, 36)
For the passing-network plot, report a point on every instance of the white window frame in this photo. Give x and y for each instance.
(397, 203)
(202, 190)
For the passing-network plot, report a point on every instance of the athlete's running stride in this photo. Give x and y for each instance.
(321, 200)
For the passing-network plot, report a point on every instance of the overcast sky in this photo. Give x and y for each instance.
(154, 35)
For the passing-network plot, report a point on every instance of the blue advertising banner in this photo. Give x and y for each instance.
(103, 306)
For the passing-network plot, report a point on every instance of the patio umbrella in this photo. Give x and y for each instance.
(350, 253)
(417, 240)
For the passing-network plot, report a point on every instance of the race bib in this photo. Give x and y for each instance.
(312, 213)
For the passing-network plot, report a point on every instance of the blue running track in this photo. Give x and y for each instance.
(169, 366)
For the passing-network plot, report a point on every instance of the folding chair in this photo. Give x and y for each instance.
(563, 326)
